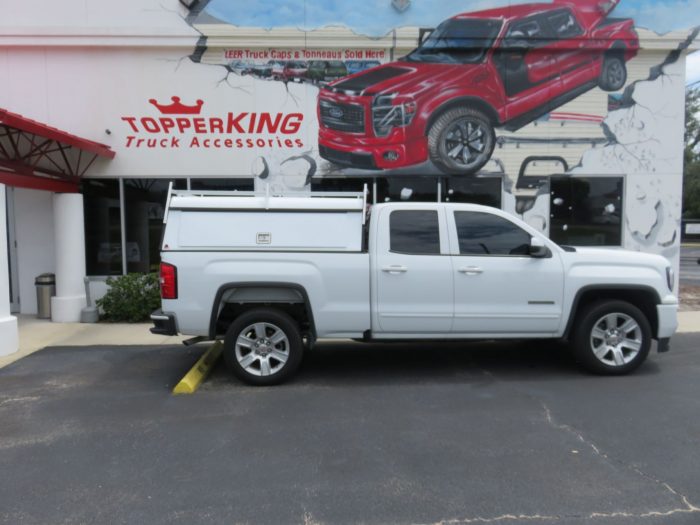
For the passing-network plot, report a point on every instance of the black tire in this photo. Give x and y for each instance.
(443, 132)
(612, 359)
(613, 74)
(292, 346)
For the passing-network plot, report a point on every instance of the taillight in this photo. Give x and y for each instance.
(168, 281)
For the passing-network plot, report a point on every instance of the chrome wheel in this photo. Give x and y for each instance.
(262, 349)
(616, 339)
(616, 73)
(465, 142)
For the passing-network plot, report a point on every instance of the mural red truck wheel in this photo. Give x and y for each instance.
(461, 141)
(613, 74)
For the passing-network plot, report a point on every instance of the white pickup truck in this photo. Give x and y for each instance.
(271, 275)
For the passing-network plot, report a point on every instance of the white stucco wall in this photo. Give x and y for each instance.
(35, 242)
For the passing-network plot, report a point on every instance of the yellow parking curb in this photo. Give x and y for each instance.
(199, 372)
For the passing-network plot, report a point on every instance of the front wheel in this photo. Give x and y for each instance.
(263, 347)
(611, 338)
(461, 141)
(613, 74)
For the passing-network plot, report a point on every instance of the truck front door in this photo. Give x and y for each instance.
(499, 288)
(413, 281)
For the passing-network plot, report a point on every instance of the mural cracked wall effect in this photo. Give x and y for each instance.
(637, 137)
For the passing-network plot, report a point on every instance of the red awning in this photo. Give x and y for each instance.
(35, 155)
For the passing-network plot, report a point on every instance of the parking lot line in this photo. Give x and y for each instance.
(199, 372)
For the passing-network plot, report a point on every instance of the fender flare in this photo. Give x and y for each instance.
(216, 306)
(604, 288)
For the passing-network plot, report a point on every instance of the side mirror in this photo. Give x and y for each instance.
(538, 249)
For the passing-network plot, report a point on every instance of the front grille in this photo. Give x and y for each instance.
(344, 158)
(342, 117)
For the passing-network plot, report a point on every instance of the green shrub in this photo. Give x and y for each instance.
(131, 298)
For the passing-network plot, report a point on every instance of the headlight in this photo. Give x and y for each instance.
(387, 114)
(670, 278)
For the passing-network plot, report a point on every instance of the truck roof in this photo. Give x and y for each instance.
(515, 12)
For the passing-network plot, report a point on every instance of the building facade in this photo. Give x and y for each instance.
(566, 115)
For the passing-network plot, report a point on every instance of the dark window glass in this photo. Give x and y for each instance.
(457, 41)
(486, 191)
(243, 184)
(415, 232)
(564, 24)
(144, 205)
(486, 234)
(103, 236)
(343, 185)
(400, 188)
(531, 32)
(586, 211)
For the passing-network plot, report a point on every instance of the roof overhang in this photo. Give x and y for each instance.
(38, 156)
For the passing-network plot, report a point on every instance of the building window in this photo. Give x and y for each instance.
(350, 185)
(144, 207)
(222, 184)
(472, 190)
(400, 188)
(586, 211)
(103, 234)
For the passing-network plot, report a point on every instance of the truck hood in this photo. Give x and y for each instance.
(618, 257)
(404, 78)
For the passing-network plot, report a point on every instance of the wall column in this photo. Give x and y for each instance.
(9, 338)
(69, 235)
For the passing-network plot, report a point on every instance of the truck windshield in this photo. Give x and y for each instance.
(457, 41)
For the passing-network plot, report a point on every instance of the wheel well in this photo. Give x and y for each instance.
(617, 49)
(645, 300)
(470, 102)
(235, 299)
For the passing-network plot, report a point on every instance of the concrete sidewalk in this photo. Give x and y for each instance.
(35, 334)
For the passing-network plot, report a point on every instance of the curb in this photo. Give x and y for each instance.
(199, 372)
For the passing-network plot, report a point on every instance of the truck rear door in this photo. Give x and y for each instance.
(413, 284)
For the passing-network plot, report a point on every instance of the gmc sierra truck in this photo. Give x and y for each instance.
(271, 275)
(499, 68)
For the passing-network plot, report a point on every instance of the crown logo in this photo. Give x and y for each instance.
(176, 108)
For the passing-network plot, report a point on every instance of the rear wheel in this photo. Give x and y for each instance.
(263, 347)
(613, 74)
(611, 337)
(461, 141)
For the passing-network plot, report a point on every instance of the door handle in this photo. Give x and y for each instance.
(471, 270)
(395, 269)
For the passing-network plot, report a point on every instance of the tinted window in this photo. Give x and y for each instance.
(421, 189)
(415, 232)
(485, 191)
(457, 41)
(530, 32)
(564, 24)
(232, 184)
(586, 211)
(486, 234)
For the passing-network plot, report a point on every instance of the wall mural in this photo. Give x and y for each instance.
(529, 93)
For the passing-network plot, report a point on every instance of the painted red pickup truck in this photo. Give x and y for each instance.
(499, 68)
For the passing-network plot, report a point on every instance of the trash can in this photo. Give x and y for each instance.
(45, 290)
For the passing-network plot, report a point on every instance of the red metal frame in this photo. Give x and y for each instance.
(38, 156)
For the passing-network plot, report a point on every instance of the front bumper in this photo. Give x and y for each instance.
(164, 323)
(667, 314)
(350, 150)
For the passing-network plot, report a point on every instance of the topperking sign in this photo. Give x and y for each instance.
(178, 125)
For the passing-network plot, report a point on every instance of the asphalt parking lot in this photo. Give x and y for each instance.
(440, 433)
